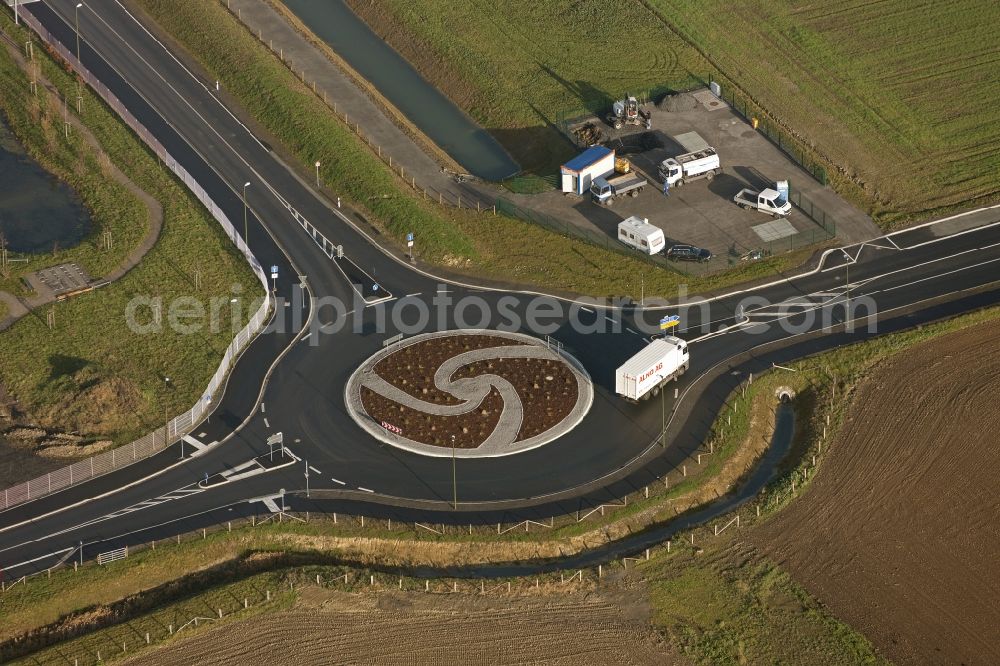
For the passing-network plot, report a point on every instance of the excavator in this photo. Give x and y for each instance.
(627, 111)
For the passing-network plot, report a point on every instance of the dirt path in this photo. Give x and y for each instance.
(898, 533)
(18, 307)
(416, 628)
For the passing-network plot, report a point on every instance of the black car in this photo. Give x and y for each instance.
(687, 253)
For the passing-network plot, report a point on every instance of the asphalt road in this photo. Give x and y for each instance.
(341, 318)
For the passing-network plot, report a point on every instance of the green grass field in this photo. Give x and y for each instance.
(897, 95)
(497, 247)
(901, 94)
(36, 120)
(519, 65)
(90, 373)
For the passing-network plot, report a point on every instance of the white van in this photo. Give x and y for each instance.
(641, 235)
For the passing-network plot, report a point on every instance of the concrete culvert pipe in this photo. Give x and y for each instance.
(784, 393)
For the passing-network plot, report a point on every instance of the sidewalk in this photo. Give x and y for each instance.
(321, 67)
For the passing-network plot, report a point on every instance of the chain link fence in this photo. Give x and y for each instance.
(180, 425)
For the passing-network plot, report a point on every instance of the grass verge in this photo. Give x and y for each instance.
(36, 120)
(91, 373)
(42, 599)
(497, 247)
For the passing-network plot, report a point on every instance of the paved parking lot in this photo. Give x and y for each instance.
(702, 213)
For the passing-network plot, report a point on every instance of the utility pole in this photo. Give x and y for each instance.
(454, 476)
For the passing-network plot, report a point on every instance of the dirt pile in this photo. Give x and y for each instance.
(678, 102)
(897, 534)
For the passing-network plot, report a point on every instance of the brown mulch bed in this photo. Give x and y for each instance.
(412, 368)
(548, 390)
(470, 429)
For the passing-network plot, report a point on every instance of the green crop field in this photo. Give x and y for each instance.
(519, 65)
(899, 96)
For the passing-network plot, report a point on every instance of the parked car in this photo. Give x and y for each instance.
(687, 253)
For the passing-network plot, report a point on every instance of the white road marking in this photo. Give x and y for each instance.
(367, 490)
(585, 309)
(412, 295)
(194, 442)
(266, 424)
(338, 481)
(633, 332)
(609, 319)
(314, 469)
(271, 506)
(262, 410)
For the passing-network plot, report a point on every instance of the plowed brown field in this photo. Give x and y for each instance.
(898, 533)
(417, 628)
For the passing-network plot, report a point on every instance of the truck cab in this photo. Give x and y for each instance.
(768, 200)
(772, 201)
(601, 190)
(670, 171)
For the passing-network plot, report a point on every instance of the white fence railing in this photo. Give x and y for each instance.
(112, 555)
(160, 438)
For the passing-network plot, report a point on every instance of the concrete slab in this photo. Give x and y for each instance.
(58, 280)
(709, 101)
(774, 230)
(691, 141)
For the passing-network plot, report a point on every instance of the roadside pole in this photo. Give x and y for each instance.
(454, 476)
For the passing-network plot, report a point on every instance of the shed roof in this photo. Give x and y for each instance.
(586, 158)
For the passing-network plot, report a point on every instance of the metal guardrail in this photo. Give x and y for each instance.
(180, 425)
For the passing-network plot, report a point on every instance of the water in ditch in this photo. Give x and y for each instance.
(423, 104)
(763, 473)
(38, 212)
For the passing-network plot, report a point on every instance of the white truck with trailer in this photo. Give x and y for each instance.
(638, 233)
(768, 200)
(605, 190)
(646, 373)
(676, 171)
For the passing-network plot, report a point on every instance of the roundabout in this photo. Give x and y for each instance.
(469, 394)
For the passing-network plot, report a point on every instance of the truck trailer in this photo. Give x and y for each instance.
(641, 235)
(690, 166)
(643, 375)
(606, 190)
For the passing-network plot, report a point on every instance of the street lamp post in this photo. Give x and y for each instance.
(307, 477)
(663, 418)
(454, 476)
(16, 20)
(317, 173)
(246, 238)
(77, 15)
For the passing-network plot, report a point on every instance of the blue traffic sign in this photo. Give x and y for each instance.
(375, 287)
(409, 237)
